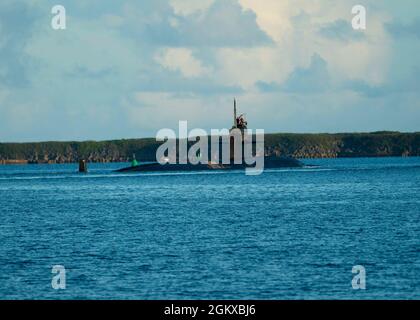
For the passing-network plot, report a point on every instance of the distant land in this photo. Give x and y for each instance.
(339, 145)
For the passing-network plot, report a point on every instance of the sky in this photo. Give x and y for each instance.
(126, 69)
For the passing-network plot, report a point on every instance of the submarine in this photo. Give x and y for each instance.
(239, 123)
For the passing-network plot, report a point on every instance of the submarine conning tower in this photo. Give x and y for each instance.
(240, 123)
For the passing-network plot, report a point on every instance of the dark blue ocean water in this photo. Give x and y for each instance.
(287, 234)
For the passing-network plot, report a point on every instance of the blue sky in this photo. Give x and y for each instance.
(125, 69)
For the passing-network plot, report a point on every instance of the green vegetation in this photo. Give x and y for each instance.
(375, 144)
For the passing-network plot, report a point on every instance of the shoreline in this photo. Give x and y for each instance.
(294, 145)
(14, 162)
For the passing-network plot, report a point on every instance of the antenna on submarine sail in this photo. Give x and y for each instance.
(235, 123)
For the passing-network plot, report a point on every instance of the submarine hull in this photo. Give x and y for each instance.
(269, 163)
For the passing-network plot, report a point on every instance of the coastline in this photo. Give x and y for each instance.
(300, 146)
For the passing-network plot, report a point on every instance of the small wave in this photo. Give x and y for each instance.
(117, 175)
(98, 174)
(106, 174)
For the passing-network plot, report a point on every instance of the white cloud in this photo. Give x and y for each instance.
(272, 16)
(182, 60)
(294, 26)
(187, 7)
(244, 67)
